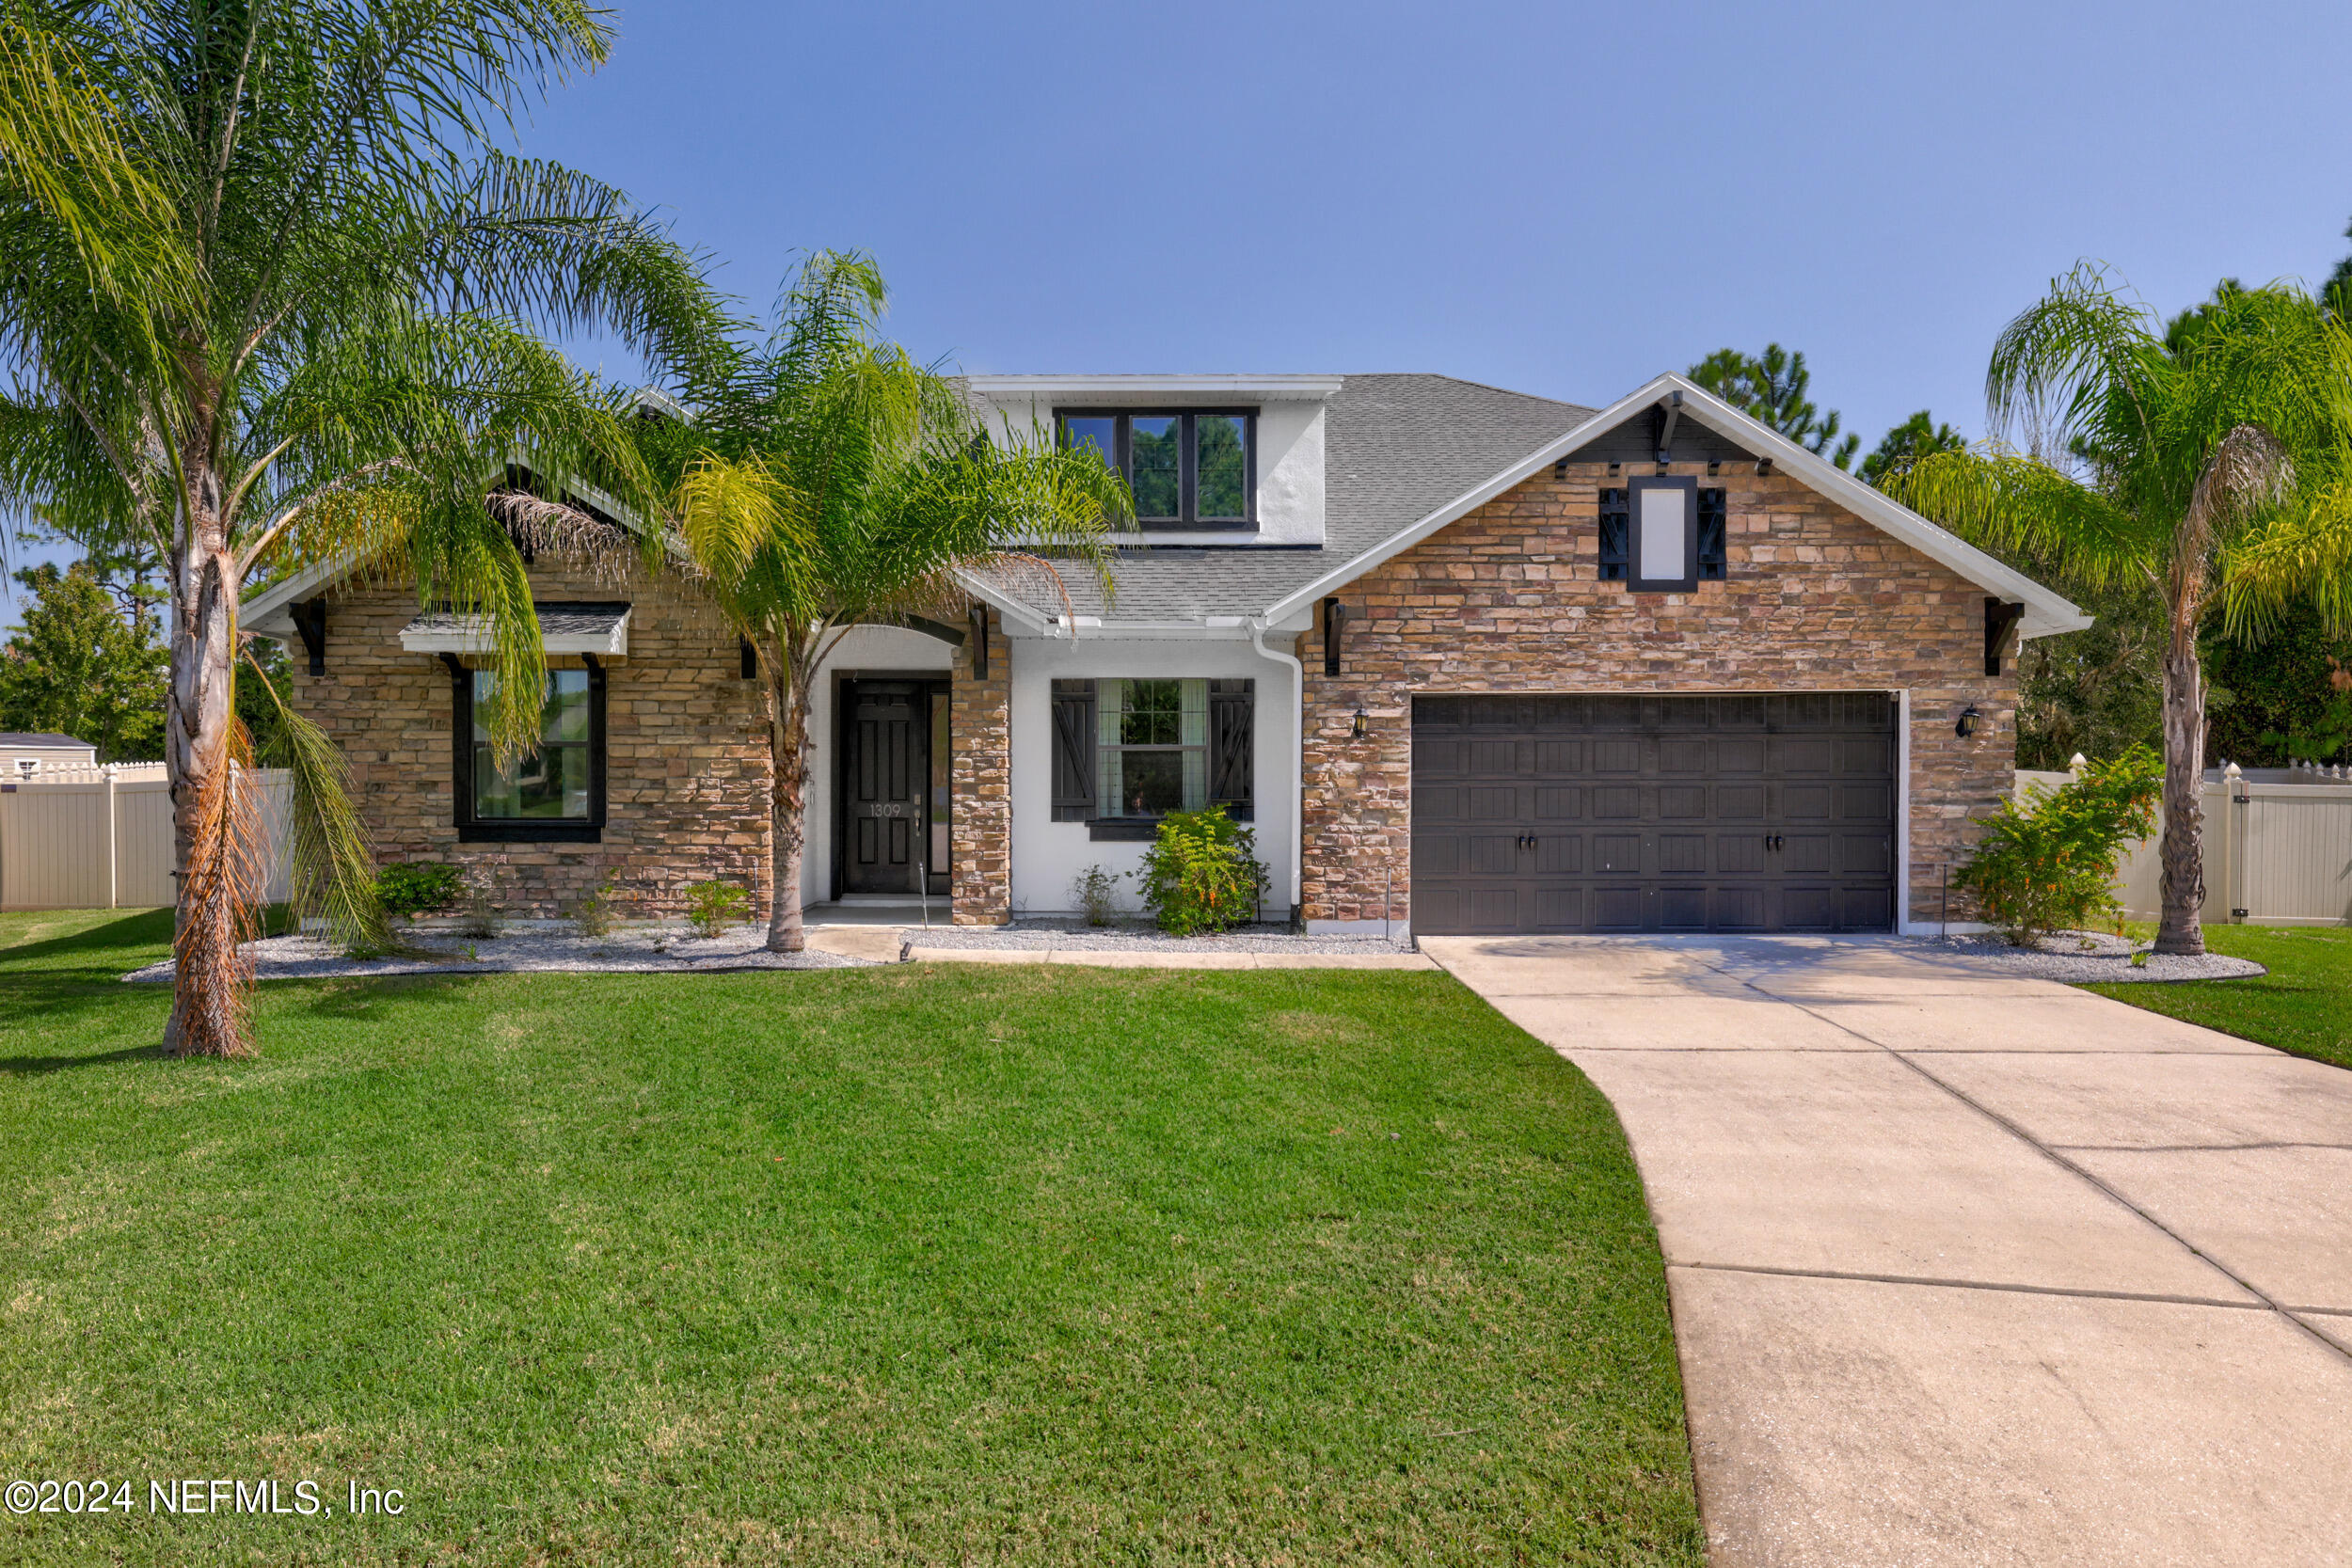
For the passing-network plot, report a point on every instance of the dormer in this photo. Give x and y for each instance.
(1231, 461)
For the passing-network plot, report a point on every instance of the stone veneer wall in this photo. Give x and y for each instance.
(1509, 598)
(980, 783)
(686, 748)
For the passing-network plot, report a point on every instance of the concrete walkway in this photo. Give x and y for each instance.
(1968, 1268)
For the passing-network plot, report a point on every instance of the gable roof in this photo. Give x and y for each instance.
(2046, 612)
(25, 740)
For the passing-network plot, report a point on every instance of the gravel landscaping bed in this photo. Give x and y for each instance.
(2077, 956)
(645, 951)
(1076, 936)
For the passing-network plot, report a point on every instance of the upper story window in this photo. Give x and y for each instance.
(1662, 536)
(1188, 469)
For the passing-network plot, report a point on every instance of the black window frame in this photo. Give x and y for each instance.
(1229, 763)
(1688, 486)
(1188, 519)
(474, 830)
(1713, 552)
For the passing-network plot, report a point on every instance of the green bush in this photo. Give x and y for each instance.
(593, 916)
(2049, 864)
(418, 887)
(1201, 873)
(712, 907)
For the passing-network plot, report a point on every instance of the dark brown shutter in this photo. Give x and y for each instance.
(1233, 731)
(1073, 751)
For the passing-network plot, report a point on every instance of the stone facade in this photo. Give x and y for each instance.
(1509, 598)
(686, 751)
(980, 782)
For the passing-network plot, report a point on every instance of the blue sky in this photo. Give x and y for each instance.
(1562, 200)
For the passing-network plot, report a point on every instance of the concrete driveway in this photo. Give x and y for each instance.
(1969, 1268)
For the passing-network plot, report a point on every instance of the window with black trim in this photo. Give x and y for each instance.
(554, 793)
(1127, 751)
(1663, 535)
(1187, 468)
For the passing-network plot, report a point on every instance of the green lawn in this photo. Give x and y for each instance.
(2304, 1004)
(957, 1264)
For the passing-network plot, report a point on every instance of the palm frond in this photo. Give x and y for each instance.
(2009, 500)
(2304, 554)
(333, 870)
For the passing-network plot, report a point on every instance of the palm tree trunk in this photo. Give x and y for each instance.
(2182, 850)
(788, 799)
(207, 1012)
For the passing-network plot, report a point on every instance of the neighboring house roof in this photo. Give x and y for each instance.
(19, 741)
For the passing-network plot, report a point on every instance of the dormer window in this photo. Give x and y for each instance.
(1189, 469)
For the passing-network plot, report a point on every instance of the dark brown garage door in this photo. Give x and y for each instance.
(1654, 814)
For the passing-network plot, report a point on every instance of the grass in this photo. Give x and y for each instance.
(887, 1266)
(2304, 1004)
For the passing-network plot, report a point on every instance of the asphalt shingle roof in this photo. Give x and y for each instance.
(28, 740)
(1395, 448)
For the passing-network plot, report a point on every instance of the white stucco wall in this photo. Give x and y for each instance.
(1290, 452)
(1047, 855)
(865, 650)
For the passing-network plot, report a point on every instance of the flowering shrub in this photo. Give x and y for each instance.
(1201, 873)
(2049, 864)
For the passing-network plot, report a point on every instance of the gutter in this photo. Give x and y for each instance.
(1299, 762)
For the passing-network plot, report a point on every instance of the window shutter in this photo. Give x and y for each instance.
(1713, 515)
(1615, 528)
(1233, 729)
(1073, 751)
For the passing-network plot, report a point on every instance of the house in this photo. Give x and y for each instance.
(1469, 661)
(27, 757)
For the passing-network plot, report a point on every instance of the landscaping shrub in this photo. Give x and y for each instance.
(418, 887)
(481, 917)
(593, 915)
(712, 907)
(1201, 873)
(2049, 864)
(1096, 892)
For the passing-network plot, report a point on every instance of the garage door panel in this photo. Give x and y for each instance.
(1560, 909)
(1615, 755)
(1681, 803)
(1490, 855)
(1559, 802)
(1616, 909)
(1592, 813)
(1618, 803)
(1739, 803)
(1618, 854)
(1559, 855)
(1681, 854)
(1435, 855)
(1682, 908)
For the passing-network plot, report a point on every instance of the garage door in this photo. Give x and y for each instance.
(1764, 813)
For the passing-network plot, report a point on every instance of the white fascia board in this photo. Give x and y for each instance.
(260, 614)
(2045, 612)
(476, 639)
(1017, 613)
(1145, 389)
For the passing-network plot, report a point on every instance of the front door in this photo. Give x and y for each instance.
(885, 763)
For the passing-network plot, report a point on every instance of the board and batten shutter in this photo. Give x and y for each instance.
(1073, 751)
(1232, 745)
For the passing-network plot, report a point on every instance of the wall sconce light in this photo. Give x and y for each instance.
(1971, 721)
(1357, 731)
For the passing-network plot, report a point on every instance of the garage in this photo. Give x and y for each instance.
(1748, 812)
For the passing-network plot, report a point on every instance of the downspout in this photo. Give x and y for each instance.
(1298, 763)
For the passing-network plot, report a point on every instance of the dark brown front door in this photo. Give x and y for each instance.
(887, 770)
(1763, 812)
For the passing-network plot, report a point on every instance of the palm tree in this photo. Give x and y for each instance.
(2210, 466)
(273, 309)
(825, 480)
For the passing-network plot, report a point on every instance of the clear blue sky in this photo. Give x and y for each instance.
(1560, 200)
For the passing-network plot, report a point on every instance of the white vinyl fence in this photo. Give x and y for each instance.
(2277, 853)
(100, 838)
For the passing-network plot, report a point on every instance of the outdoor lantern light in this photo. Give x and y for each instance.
(1971, 721)
(1359, 731)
